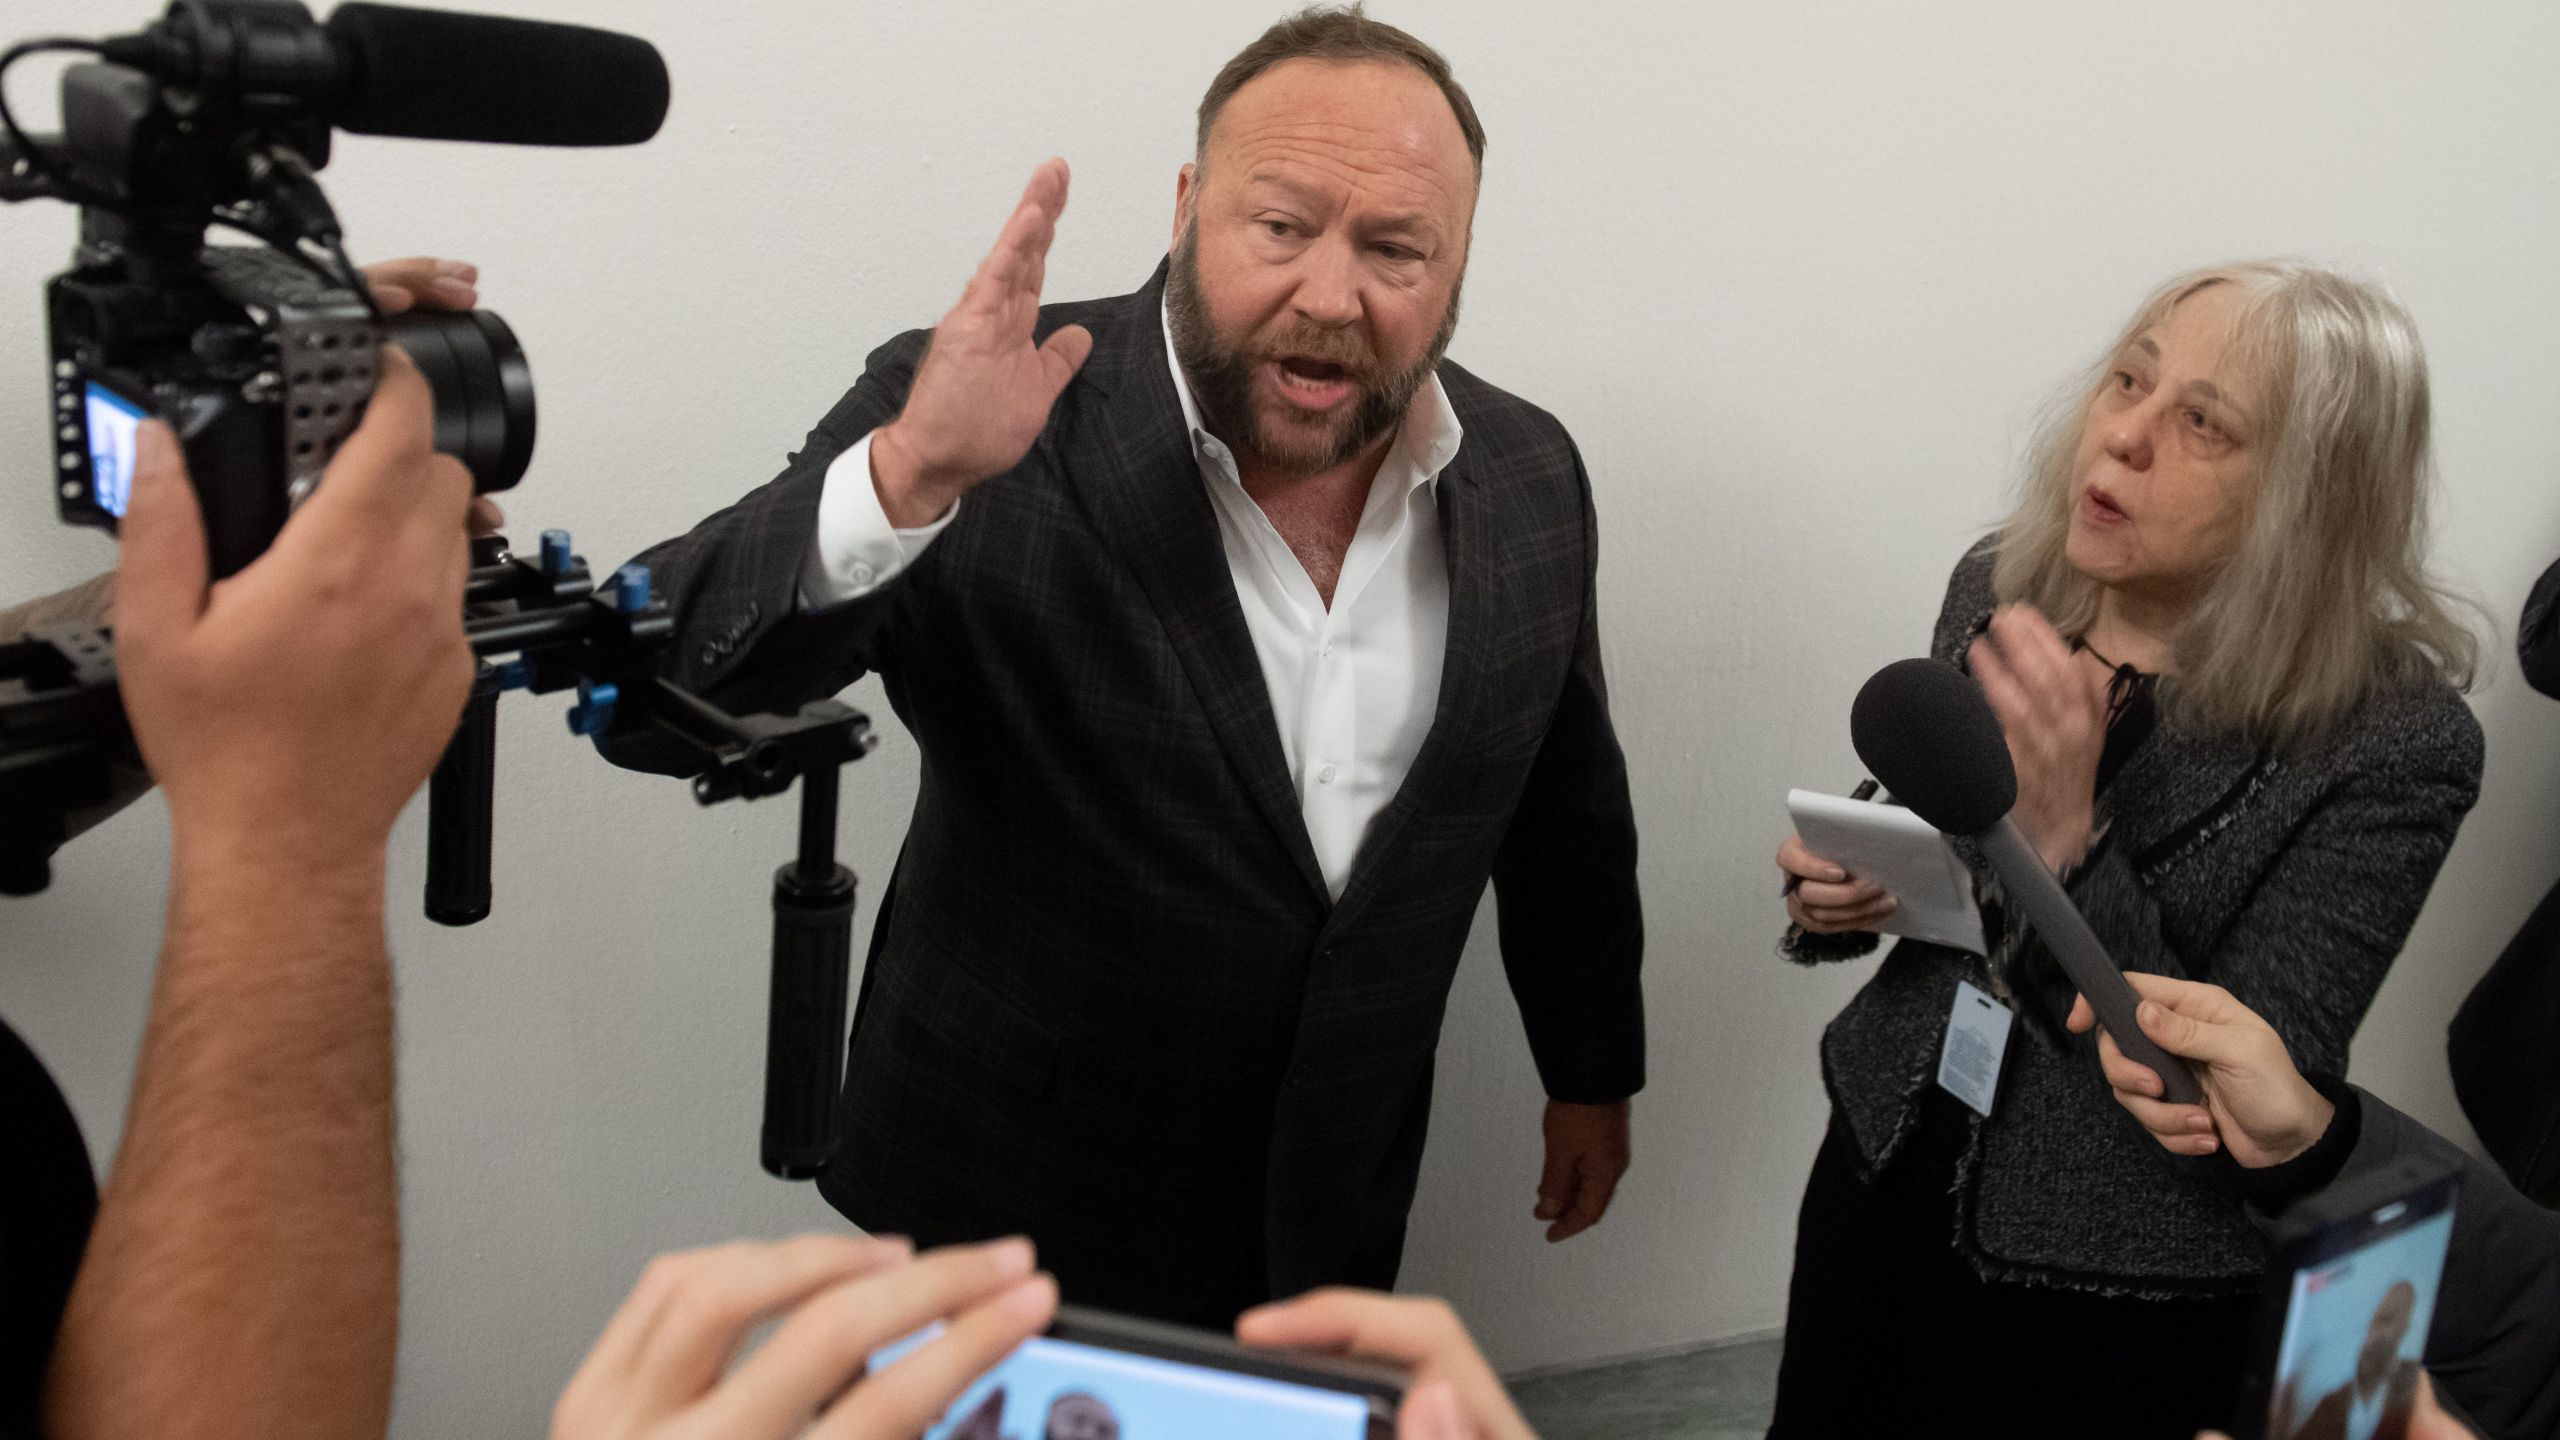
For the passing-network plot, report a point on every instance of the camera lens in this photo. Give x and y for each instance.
(483, 390)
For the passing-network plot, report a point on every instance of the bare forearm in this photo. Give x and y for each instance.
(243, 1277)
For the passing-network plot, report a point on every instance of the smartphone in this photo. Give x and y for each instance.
(2347, 1301)
(1099, 1376)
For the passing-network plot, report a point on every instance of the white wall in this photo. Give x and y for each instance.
(1794, 274)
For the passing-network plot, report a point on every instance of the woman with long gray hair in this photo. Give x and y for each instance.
(2231, 691)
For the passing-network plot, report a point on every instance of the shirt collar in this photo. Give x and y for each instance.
(1426, 442)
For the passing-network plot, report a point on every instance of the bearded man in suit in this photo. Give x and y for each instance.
(1245, 638)
(2376, 1403)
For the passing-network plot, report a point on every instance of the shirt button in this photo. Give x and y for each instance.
(1325, 776)
(860, 574)
(1328, 648)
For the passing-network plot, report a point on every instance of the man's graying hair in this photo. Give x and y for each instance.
(1338, 33)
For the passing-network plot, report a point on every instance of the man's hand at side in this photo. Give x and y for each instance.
(984, 390)
(1587, 1154)
(243, 1274)
(2256, 1104)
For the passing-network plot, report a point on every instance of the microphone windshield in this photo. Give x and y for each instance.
(1927, 734)
(438, 75)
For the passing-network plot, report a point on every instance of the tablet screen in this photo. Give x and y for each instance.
(1052, 1389)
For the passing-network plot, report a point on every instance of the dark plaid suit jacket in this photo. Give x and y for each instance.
(1109, 1002)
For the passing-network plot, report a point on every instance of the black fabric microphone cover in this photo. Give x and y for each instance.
(438, 75)
(1927, 734)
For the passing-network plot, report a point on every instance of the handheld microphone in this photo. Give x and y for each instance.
(422, 74)
(1925, 730)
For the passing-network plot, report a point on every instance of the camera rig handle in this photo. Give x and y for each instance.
(542, 625)
(61, 733)
(564, 631)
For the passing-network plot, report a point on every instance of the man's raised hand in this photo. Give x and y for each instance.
(984, 390)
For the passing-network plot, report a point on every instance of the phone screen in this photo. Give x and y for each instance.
(1052, 1389)
(114, 425)
(2357, 1325)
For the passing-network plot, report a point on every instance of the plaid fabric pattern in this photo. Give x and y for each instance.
(1109, 1003)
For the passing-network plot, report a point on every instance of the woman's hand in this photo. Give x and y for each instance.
(1826, 899)
(2053, 708)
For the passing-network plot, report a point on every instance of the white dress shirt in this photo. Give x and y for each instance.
(1353, 687)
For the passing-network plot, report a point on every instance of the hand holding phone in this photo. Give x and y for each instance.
(2345, 1309)
(1098, 1376)
(1453, 1393)
(668, 1366)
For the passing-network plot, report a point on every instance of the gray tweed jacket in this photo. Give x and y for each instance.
(2289, 879)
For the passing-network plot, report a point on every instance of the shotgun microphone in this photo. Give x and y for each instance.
(422, 74)
(1925, 730)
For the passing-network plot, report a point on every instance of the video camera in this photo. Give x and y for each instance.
(262, 358)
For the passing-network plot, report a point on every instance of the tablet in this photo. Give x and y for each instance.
(1117, 1377)
(1894, 848)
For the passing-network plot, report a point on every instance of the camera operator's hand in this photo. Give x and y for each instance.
(662, 1368)
(1454, 1395)
(243, 1273)
(423, 282)
(984, 390)
(292, 709)
(2256, 1103)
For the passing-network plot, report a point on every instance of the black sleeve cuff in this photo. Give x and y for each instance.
(2275, 1188)
(1804, 947)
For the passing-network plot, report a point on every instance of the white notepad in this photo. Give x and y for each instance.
(1901, 852)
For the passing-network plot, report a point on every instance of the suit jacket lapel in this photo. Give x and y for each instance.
(1466, 534)
(1141, 483)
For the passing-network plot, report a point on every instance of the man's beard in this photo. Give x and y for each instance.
(1221, 374)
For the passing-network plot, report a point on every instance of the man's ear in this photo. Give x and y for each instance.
(1186, 193)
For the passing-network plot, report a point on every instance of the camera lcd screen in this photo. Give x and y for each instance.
(1052, 1389)
(2356, 1326)
(114, 425)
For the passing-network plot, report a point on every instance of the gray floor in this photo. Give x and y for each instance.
(1718, 1394)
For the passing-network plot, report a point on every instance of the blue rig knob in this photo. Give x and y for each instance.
(556, 555)
(631, 589)
(594, 709)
